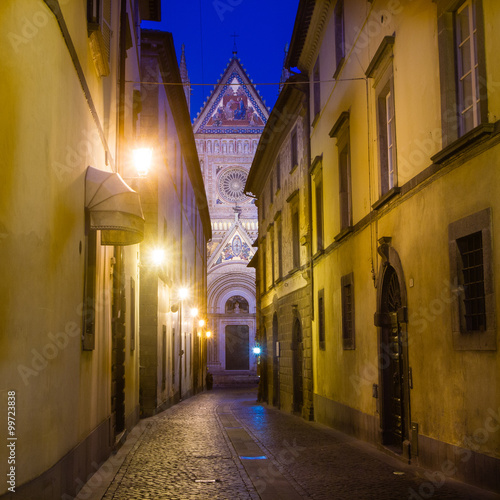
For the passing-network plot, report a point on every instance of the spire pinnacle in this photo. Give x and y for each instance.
(235, 49)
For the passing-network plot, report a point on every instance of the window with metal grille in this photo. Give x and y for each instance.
(347, 296)
(321, 319)
(472, 280)
(473, 324)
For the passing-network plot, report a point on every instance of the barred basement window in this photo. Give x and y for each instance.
(347, 294)
(473, 317)
(321, 319)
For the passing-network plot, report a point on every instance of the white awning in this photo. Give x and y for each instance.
(113, 207)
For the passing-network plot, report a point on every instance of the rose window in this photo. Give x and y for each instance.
(232, 184)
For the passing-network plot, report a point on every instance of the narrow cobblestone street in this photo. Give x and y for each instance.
(222, 444)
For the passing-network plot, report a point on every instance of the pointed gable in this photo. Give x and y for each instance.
(234, 107)
(235, 248)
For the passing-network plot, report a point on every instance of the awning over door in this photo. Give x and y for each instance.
(113, 207)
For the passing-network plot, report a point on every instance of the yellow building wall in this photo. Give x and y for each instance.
(454, 391)
(48, 138)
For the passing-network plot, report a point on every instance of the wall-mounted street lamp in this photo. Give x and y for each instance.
(256, 350)
(142, 160)
(208, 334)
(157, 256)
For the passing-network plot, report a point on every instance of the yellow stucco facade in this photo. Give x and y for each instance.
(444, 182)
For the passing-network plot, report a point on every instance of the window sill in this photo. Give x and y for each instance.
(338, 69)
(318, 254)
(315, 120)
(386, 197)
(322, 346)
(343, 233)
(293, 168)
(293, 271)
(464, 142)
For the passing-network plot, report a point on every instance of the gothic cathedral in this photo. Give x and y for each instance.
(227, 131)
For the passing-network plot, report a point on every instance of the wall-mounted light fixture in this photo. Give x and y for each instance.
(142, 160)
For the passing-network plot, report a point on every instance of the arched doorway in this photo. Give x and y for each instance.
(276, 365)
(393, 361)
(298, 355)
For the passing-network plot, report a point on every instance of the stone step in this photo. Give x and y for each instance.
(231, 380)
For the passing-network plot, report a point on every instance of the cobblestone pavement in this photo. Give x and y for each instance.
(202, 438)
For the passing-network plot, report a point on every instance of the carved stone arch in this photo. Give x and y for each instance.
(390, 258)
(394, 370)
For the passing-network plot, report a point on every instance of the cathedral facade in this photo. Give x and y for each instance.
(227, 131)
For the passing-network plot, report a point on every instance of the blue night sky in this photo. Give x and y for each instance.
(263, 27)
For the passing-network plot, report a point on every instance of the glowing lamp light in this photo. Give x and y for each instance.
(256, 350)
(142, 160)
(183, 293)
(158, 256)
(194, 312)
(208, 334)
(201, 323)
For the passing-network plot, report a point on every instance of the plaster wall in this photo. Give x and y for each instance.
(49, 138)
(454, 392)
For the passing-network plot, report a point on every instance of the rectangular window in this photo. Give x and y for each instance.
(319, 214)
(321, 319)
(316, 89)
(89, 302)
(347, 297)
(264, 266)
(280, 252)
(471, 279)
(341, 132)
(471, 266)
(294, 150)
(295, 237)
(99, 21)
(345, 187)
(278, 174)
(271, 236)
(467, 67)
(386, 135)
(462, 67)
(339, 36)
(271, 189)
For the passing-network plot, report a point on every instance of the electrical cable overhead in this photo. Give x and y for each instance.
(243, 84)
